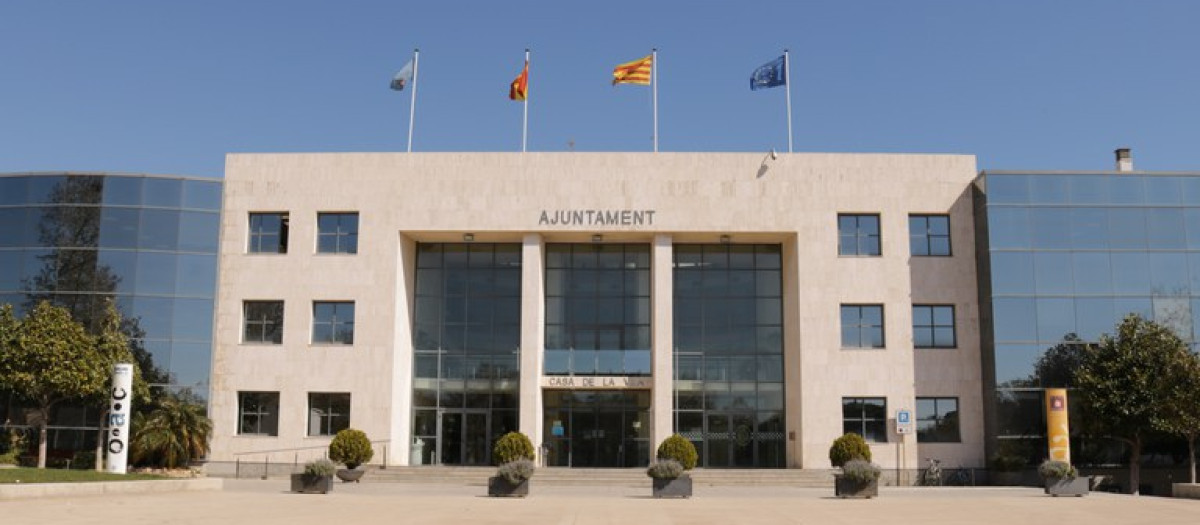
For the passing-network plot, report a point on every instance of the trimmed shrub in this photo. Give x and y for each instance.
(1057, 470)
(351, 447)
(516, 471)
(678, 448)
(319, 467)
(512, 447)
(849, 446)
(861, 471)
(665, 469)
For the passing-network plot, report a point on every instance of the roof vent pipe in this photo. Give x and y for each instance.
(1124, 159)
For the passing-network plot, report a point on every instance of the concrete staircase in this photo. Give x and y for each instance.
(630, 477)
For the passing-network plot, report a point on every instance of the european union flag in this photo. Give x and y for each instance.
(769, 75)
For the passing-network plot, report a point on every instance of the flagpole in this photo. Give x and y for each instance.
(412, 106)
(525, 117)
(787, 81)
(654, 91)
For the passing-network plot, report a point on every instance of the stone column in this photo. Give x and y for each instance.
(533, 315)
(663, 341)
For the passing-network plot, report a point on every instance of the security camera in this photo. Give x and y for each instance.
(773, 154)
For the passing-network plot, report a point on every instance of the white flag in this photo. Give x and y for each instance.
(404, 77)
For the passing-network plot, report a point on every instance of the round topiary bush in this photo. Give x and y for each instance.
(849, 446)
(511, 447)
(679, 449)
(351, 447)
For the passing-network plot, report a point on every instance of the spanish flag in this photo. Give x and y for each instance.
(636, 72)
(519, 89)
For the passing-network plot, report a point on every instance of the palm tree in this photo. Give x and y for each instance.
(173, 434)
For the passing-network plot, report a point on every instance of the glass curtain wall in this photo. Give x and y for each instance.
(1070, 256)
(467, 337)
(729, 353)
(597, 309)
(147, 243)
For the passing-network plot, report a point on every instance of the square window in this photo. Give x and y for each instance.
(929, 235)
(933, 326)
(268, 233)
(262, 322)
(937, 420)
(333, 322)
(865, 416)
(258, 413)
(328, 413)
(862, 326)
(337, 232)
(858, 235)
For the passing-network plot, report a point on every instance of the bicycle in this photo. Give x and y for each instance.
(932, 476)
(961, 478)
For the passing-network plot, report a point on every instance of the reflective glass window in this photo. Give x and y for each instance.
(1174, 312)
(338, 233)
(1051, 227)
(1087, 189)
(1165, 228)
(1092, 272)
(268, 233)
(156, 273)
(865, 416)
(120, 268)
(13, 190)
(1127, 189)
(933, 326)
(119, 227)
(17, 230)
(262, 322)
(1163, 191)
(328, 413)
(1015, 319)
(1191, 189)
(154, 315)
(159, 230)
(193, 319)
(929, 235)
(937, 420)
(166, 193)
(1048, 189)
(258, 413)
(1012, 273)
(1130, 275)
(1052, 272)
(333, 322)
(198, 231)
(1194, 272)
(1169, 273)
(123, 191)
(66, 226)
(1008, 228)
(1093, 316)
(1015, 364)
(1089, 228)
(202, 195)
(190, 362)
(1007, 189)
(1191, 220)
(1124, 306)
(862, 326)
(858, 235)
(1055, 318)
(598, 307)
(10, 270)
(45, 189)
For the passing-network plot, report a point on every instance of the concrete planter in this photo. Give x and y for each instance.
(844, 487)
(1186, 490)
(680, 487)
(499, 486)
(350, 474)
(306, 484)
(1067, 487)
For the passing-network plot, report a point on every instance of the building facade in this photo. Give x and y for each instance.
(598, 302)
(1064, 257)
(149, 243)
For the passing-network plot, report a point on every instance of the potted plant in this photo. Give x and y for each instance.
(514, 453)
(675, 456)
(352, 448)
(859, 479)
(858, 483)
(1062, 479)
(317, 477)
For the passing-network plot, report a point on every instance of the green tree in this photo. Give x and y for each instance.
(1182, 412)
(1124, 382)
(174, 433)
(49, 359)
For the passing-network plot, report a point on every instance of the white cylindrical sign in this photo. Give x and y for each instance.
(116, 444)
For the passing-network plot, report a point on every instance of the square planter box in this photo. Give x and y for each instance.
(499, 486)
(305, 484)
(1067, 487)
(680, 487)
(846, 488)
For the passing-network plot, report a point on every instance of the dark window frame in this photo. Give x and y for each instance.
(939, 424)
(339, 327)
(858, 423)
(852, 237)
(926, 235)
(325, 407)
(260, 234)
(261, 416)
(341, 235)
(862, 328)
(262, 323)
(933, 327)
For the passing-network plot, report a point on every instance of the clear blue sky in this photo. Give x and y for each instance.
(171, 86)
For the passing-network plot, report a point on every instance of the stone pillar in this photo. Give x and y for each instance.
(663, 341)
(401, 442)
(533, 315)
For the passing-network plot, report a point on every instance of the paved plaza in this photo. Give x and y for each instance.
(268, 503)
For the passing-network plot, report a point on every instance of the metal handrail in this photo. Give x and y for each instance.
(237, 473)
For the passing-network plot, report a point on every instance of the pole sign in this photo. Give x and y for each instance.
(904, 421)
(116, 444)
(1058, 430)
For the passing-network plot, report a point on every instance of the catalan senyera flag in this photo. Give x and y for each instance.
(519, 89)
(635, 72)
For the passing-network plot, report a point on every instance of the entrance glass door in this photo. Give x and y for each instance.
(464, 438)
(730, 440)
(602, 429)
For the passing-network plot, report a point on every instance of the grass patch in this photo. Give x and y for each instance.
(33, 475)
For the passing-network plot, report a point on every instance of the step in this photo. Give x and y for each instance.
(614, 477)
